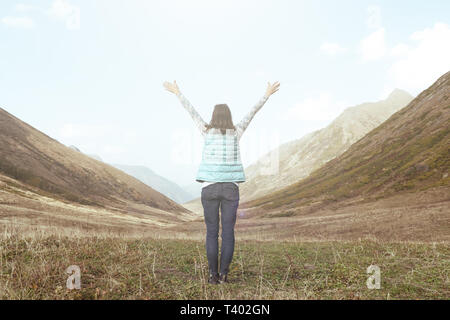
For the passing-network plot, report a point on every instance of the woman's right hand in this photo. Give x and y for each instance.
(172, 87)
(272, 88)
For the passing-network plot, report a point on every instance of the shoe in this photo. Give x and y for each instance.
(223, 278)
(213, 279)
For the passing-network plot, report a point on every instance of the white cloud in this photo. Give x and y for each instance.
(64, 11)
(112, 149)
(71, 130)
(23, 7)
(332, 48)
(321, 108)
(18, 22)
(373, 47)
(399, 50)
(260, 74)
(422, 62)
(415, 65)
(374, 17)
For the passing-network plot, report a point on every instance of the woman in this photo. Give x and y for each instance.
(220, 172)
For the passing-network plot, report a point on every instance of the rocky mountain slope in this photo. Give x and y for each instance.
(297, 159)
(410, 152)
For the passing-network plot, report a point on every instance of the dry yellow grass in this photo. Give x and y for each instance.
(148, 268)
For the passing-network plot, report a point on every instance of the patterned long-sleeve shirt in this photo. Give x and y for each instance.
(240, 127)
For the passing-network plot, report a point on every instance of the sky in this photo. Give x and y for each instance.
(90, 73)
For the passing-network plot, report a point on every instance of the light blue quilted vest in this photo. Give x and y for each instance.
(221, 160)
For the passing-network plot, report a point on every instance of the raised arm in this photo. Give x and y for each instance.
(243, 124)
(173, 87)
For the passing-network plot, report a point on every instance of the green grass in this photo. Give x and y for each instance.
(114, 268)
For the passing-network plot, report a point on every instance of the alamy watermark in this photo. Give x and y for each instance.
(261, 146)
(374, 280)
(74, 280)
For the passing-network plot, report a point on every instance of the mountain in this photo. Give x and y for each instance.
(147, 176)
(194, 189)
(36, 163)
(161, 184)
(297, 159)
(74, 148)
(407, 154)
(94, 156)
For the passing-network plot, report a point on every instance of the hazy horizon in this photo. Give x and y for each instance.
(90, 73)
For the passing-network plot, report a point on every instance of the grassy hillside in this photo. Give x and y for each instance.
(177, 269)
(44, 165)
(298, 158)
(409, 152)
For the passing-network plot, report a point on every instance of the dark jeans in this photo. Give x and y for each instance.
(223, 195)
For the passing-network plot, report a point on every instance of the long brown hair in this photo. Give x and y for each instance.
(221, 119)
